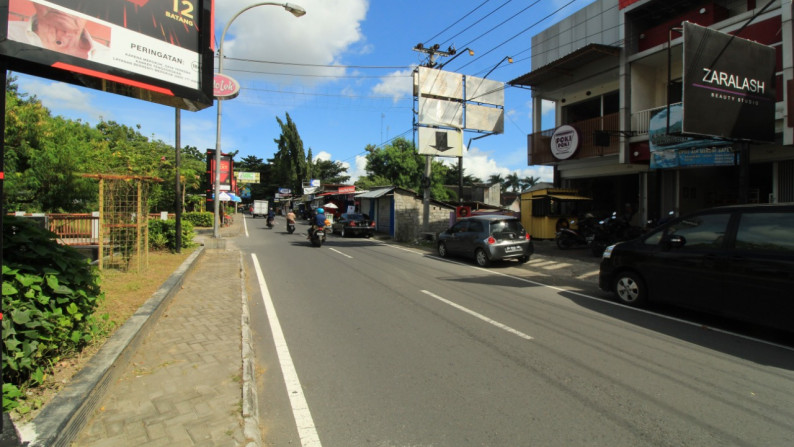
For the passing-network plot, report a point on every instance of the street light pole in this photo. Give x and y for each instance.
(297, 11)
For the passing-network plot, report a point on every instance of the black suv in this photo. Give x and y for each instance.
(487, 238)
(735, 261)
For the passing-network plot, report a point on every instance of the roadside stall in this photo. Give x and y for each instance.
(545, 211)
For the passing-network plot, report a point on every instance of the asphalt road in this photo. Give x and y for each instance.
(386, 345)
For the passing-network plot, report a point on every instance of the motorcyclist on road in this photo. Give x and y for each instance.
(271, 217)
(290, 217)
(319, 221)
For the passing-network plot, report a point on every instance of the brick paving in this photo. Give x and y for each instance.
(183, 385)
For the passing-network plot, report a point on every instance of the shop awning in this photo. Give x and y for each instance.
(562, 197)
(567, 64)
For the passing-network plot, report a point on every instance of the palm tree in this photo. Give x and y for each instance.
(512, 182)
(497, 178)
(529, 182)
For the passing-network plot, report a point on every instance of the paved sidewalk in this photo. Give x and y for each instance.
(173, 375)
(183, 385)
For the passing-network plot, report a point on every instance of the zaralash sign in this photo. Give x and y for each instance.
(729, 86)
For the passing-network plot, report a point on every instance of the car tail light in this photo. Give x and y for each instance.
(528, 237)
(372, 224)
(491, 240)
(352, 224)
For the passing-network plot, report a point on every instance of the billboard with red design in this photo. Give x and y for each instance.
(156, 50)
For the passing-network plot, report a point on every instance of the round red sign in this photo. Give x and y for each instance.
(225, 87)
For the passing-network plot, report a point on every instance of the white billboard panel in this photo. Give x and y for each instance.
(485, 91)
(486, 119)
(435, 112)
(443, 84)
(440, 142)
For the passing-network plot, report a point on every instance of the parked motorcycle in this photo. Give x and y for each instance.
(611, 231)
(317, 236)
(568, 237)
(290, 227)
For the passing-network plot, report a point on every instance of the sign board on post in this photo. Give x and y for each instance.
(564, 142)
(159, 51)
(729, 86)
(440, 142)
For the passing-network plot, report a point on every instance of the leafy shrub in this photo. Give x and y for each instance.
(200, 219)
(162, 234)
(50, 293)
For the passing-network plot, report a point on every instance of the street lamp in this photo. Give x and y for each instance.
(471, 53)
(506, 58)
(297, 11)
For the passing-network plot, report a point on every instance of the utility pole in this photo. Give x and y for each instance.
(432, 54)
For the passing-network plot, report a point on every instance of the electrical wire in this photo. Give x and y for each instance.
(475, 23)
(520, 33)
(457, 21)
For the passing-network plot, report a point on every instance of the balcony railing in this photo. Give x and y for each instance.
(539, 143)
(641, 120)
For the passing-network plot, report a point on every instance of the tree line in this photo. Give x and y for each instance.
(46, 157)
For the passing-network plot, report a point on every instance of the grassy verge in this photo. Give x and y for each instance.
(124, 292)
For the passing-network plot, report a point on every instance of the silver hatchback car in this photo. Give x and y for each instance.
(487, 238)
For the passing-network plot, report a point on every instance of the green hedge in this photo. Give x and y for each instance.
(199, 218)
(162, 234)
(50, 293)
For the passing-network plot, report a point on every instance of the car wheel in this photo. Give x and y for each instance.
(442, 250)
(482, 258)
(630, 289)
(342, 232)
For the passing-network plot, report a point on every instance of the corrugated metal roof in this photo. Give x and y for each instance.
(375, 193)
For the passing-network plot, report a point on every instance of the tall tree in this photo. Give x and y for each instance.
(289, 162)
(512, 182)
(528, 182)
(399, 164)
(497, 178)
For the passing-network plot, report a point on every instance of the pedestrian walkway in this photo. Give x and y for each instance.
(173, 374)
(183, 385)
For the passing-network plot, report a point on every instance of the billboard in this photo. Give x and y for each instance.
(670, 149)
(729, 86)
(155, 50)
(440, 142)
(227, 183)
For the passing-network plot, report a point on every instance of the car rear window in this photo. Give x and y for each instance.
(766, 231)
(506, 229)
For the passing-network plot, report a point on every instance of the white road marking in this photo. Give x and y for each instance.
(480, 316)
(300, 409)
(337, 251)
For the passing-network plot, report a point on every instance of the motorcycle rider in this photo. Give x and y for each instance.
(271, 218)
(319, 221)
(291, 217)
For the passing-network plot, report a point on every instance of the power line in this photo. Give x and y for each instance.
(521, 32)
(317, 76)
(257, 61)
(503, 22)
(475, 23)
(456, 22)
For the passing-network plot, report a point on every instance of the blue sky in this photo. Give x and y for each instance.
(342, 72)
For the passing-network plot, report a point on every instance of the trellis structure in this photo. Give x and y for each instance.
(123, 220)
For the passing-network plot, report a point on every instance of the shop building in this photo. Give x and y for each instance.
(613, 67)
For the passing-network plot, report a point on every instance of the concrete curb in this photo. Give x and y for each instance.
(62, 419)
(253, 436)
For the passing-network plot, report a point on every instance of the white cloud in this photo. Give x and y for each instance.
(64, 96)
(320, 37)
(322, 155)
(397, 85)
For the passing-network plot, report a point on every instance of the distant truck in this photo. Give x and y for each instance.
(261, 207)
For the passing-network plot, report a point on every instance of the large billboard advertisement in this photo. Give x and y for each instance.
(156, 50)
(729, 86)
